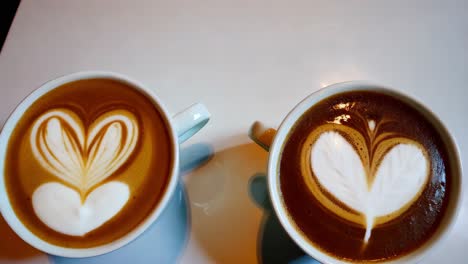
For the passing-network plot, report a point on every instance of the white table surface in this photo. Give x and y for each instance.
(246, 60)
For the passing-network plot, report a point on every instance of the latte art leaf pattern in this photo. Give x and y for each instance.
(83, 158)
(377, 185)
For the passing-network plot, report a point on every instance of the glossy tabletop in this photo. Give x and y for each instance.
(246, 60)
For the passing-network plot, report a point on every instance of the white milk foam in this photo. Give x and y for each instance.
(61, 208)
(400, 177)
(83, 160)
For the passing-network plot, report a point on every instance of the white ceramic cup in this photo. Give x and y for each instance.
(180, 126)
(273, 140)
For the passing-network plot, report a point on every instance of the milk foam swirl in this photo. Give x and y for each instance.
(369, 178)
(81, 157)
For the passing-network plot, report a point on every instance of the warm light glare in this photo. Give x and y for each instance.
(340, 118)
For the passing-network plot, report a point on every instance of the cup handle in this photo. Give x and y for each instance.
(262, 135)
(189, 121)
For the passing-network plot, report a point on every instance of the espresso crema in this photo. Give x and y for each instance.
(363, 176)
(87, 163)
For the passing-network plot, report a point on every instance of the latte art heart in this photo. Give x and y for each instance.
(82, 158)
(377, 182)
(62, 209)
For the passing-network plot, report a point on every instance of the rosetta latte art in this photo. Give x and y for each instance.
(378, 182)
(81, 158)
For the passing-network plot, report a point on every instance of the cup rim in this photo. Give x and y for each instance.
(6, 208)
(288, 122)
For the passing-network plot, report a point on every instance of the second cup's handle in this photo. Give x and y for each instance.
(262, 135)
(189, 121)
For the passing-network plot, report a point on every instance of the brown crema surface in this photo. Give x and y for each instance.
(146, 171)
(394, 121)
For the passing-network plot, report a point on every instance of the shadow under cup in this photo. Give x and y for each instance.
(166, 121)
(281, 208)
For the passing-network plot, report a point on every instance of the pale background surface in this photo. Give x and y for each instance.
(245, 60)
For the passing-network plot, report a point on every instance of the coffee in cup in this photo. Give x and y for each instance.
(363, 174)
(367, 170)
(89, 161)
